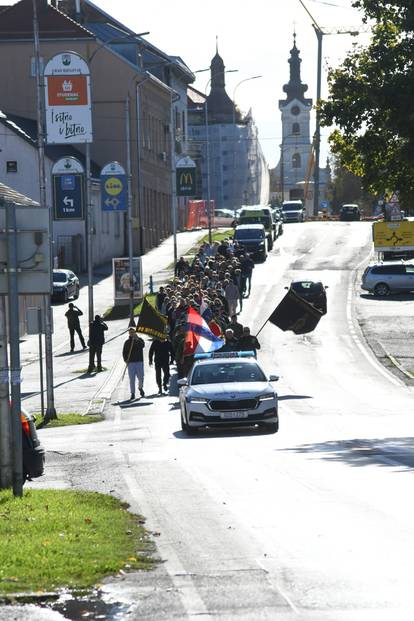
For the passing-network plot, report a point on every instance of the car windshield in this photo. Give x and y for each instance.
(59, 277)
(226, 373)
(292, 207)
(263, 219)
(249, 234)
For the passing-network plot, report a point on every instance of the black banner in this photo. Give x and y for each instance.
(296, 314)
(151, 322)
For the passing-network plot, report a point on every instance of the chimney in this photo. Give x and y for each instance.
(71, 8)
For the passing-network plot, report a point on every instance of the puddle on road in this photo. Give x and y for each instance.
(88, 606)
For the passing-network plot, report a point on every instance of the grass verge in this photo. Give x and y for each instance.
(68, 418)
(54, 538)
(216, 236)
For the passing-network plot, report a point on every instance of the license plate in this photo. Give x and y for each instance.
(234, 415)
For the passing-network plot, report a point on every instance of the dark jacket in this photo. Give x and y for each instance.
(237, 329)
(230, 345)
(72, 315)
(97, 331)
(249, 343)
(133, 349)
(247, 266)
(161, 352)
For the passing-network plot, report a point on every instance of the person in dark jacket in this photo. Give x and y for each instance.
(133, 356)
(231, 343)
(72, 315)
(248, 342)
(162, 354)
(97, 329)
(159, 299)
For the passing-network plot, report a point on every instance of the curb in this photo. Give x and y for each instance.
(395, 362)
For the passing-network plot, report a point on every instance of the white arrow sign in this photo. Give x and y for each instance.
(68, 201)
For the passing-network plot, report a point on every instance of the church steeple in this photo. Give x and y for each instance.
(220, 106)
(295, 89)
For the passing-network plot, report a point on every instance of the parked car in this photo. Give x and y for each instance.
(228, 389)
(385, 278)
(224, 217)
(349, 212)
(252, 237)
(65, 285)
(33, 451)
(293, 211)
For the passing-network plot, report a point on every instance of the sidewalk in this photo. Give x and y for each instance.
(75, 391)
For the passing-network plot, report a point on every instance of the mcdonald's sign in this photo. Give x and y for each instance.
(186, 181)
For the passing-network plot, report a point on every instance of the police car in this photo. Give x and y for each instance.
(228, 389)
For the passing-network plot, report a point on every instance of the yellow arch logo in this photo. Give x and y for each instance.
(113, 186)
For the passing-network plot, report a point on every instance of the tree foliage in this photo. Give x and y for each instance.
(371, 101)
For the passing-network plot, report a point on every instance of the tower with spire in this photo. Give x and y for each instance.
(295, 149)
(220, 106)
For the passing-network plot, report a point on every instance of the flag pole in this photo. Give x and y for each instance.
(262, 327)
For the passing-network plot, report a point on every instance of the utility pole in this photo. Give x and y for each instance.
(6, 471)
(89, 230)
(50, 399)
(319, 35)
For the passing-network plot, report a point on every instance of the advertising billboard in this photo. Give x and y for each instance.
(114, 195)
(68, 189)
(121, 277)
(67, 99)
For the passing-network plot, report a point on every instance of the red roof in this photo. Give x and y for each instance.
(16, 22)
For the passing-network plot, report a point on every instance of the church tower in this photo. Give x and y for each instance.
(296, 142)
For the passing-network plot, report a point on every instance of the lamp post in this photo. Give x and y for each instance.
(210, 239)
(254, 77)
(319, 36)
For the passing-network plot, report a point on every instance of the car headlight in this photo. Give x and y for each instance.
(261, 243)
(267, 397)
(197, 400)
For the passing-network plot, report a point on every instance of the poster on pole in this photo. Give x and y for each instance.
(68, 183)
(186, 177)
(68, 110)
(114, 196)
(122, 282)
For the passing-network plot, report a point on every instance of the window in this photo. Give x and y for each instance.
(295, 129)
(295, 110)
(296, 160)
(11, 167)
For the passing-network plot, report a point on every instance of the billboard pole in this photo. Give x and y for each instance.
(50, 398)
(89, 231)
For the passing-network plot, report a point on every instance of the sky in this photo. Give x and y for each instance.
(254, 37)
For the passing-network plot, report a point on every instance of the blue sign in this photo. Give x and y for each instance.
(114, 195)
(68, 197)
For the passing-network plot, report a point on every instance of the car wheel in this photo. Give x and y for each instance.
(186, 427)
(381, 289)
(270, 244)
(76, 294)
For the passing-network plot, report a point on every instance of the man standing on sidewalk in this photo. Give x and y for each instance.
(97, 329)
(132, 354)
(72, 315)
(162, 353)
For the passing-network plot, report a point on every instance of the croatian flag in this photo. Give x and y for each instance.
(199, 339)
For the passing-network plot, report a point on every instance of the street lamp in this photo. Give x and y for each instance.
(210, 239)
(254, 77)
(319, 35)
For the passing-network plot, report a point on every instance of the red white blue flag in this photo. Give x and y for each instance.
(199, 339)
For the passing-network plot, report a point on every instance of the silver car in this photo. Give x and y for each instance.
(391, 277)
(293, 211)
(228, 389)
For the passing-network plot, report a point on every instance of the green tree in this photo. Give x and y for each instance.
(371, 101)
(346, 187)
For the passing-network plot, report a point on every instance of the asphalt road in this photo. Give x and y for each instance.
(314, 522)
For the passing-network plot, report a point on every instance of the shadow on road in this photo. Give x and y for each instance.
(394, 297)
(358, 452)
(230, 432)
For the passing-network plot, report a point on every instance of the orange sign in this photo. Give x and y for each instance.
(67, 90)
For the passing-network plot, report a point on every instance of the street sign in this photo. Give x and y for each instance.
(390, 236)
(68, 189)
(68, 99)
(114, 195)
(186, 177)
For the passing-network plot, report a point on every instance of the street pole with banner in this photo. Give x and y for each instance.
(68, 119)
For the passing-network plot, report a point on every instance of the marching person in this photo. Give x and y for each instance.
(162, 354)
(133, 356)
(248, 342)
(72, 315)
(97, 329)
(231, 343)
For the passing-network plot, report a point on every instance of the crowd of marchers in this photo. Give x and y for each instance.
(214, 283)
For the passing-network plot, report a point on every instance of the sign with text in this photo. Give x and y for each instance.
(186, 177)
(68, 189)
(390, 236)
(68, 99)
(113, 187)
(122, 280)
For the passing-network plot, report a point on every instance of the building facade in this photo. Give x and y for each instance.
(226, 146)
